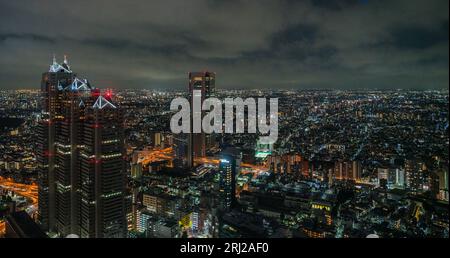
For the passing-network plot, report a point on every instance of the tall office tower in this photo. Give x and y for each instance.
(415, 175)
(102, 190)
(59, 75)
(204, 82)
(80, 155)
(227, 181)
(74, 97)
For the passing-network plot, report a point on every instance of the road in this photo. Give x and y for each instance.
(2, 229)
(148, 157)
(28, 191)
(216, 161)
(155, 155)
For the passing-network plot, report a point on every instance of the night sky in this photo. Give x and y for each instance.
(311, 44)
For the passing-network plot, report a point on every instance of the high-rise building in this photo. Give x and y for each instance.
(227, 181)
(203, 83)
(442, 175)
(80, 155)
(415, 175)
(383, 174)
(288, 163)
(102, 189)
(347, 170)
(188, 146)
(159, 203)
(395, 177)
(74, 98)
(180, 149)
(51, 88)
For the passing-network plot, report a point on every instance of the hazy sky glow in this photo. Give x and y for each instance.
(250, 44)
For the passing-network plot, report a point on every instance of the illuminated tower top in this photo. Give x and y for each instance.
(204, 81)
(102, 102)
(55, 67)
(79, 85)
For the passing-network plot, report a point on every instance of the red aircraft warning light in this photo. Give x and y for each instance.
(108, 94)
(95, 93)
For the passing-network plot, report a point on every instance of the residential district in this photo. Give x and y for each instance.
(82, 161)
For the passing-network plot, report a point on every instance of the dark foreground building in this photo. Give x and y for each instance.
(80, 156)
(21, 225)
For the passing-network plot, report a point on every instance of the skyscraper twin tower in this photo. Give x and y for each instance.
(80, 155)
(82, 173)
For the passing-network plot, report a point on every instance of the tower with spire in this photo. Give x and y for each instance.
(72, 109)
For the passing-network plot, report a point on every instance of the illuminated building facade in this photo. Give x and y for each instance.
(205, 82)
(289, 163)
(74, 98)
(227, 181)
(49, 127)
(443, 184)
(81, 133)
(323, 211)
(103, 207)
(187, 147)
(180, 148)
(347, 170)
(416, 176)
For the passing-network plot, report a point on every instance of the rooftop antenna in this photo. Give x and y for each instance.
(54, 58)
(65, 59)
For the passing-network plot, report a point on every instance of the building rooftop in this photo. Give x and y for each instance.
(23, 226)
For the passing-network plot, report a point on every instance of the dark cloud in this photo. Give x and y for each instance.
(299, 33)
(125, 45)
(419, 37)
(27, 37)
(250, 44)
(337, 4)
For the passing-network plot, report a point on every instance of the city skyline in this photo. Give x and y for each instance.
(348, 164)
(236, 120)
(282, 44)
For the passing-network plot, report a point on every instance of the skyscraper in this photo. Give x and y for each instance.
(102, 172)
(71, 132)
(204, 82)
(74, 98)
(188, 146)
(51, 86)
(227, 181)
